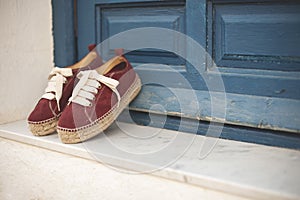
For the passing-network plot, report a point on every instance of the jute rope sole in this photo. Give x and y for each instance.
(76, 136)
(42, 129)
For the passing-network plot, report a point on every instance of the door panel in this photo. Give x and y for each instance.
(257, 36)
(255, 47)
(113, 19)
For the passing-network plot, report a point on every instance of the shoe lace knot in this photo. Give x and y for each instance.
(88, 85)
(56, 78)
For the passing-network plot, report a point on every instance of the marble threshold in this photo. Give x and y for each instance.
(247, 170)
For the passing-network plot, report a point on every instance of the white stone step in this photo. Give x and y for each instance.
(232, 169)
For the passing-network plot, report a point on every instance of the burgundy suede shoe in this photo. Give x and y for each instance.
(97, 100)
(43, 119)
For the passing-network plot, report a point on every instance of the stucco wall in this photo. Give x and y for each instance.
(26, 55)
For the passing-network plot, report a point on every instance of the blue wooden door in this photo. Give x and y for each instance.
(255, 46)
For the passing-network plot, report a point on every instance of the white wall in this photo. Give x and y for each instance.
(26, 55)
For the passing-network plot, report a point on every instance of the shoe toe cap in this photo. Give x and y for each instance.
(74, 117)
(43, 111)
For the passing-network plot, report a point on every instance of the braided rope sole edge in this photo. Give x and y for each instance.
(42, 129)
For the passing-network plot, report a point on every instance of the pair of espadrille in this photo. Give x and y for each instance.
(84, 99)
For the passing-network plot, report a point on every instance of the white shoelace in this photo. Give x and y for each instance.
(57, 78)
(88, 85)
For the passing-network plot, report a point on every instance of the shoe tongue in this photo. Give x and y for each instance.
(88, 59)
(109, 65)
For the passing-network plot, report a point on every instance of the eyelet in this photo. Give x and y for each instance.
(90, 104)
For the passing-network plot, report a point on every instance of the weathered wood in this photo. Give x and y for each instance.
(257, 36)
(85, 26)
(254, 43)
(63, 31)
(239, 133)
(112, 20)
(253, 111)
